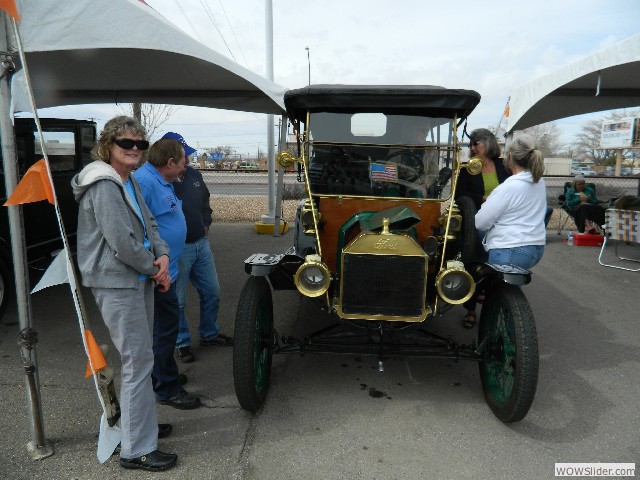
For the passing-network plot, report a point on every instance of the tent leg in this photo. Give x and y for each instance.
(38, 447)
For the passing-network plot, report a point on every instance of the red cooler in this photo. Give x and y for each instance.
(588, 240)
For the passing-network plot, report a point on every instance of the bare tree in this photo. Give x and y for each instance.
(547, 137)
(151, 115)
(587, 142)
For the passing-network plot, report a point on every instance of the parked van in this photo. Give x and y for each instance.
(68, 144)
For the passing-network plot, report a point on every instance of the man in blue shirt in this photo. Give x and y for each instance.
(196, 262)
(166, 162)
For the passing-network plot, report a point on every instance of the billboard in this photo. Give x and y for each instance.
(617, 133)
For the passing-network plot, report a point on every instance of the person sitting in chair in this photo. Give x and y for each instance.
(584, 206)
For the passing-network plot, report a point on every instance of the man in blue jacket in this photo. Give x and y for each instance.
(196, 262)
(166, 162)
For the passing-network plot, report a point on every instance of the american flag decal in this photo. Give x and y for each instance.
(384, 172)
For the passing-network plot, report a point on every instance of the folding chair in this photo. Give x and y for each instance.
(621, 226)
(566, 218)
(565, 211)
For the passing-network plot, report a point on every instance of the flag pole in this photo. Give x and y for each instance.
(38, 447)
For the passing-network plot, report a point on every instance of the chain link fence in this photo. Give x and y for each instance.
(242, 196)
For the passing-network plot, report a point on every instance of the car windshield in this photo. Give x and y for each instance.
(373, 154)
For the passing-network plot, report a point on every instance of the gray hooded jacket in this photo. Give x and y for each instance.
(111, 251)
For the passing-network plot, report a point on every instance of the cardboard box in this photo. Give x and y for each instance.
(588, 240)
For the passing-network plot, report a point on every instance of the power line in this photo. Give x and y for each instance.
(207, 10)
(233, 33)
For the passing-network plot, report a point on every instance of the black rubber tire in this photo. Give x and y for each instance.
(7, 288)
(253, 344)
(467, 237)
(510, 351)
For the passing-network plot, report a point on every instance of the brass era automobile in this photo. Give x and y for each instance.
(383, 245)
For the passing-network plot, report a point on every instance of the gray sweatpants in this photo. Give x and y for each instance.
(128, 314)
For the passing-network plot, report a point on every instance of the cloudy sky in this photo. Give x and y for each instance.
(490, 47)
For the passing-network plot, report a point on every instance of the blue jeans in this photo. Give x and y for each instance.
(165, 329)
(198, 266)
(523, 257)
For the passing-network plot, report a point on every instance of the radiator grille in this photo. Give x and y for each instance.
(387, 285)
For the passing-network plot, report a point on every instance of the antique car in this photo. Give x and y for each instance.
(383, 245)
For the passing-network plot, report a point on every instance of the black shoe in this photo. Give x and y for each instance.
(220, 340)
(164, 430)
(185, 355)
(182, 378)
(155, 461)
(182, 401)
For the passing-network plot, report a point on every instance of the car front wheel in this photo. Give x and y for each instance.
(509, 370)
(253, 344)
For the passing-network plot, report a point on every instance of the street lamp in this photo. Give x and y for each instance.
(309, 63)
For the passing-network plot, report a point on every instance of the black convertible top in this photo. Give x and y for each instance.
(424, 100)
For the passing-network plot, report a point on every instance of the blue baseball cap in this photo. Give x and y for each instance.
(176, 136)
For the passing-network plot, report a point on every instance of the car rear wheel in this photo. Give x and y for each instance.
(509, 371)
(253, 344)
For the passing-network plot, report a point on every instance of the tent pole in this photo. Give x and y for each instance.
(38, 447)
(271, 157)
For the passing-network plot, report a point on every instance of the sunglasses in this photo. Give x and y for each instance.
(128, 144)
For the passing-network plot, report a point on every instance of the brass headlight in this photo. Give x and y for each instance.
(454, 284)
(313, 277)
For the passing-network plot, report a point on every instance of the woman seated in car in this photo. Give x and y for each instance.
(584, 206)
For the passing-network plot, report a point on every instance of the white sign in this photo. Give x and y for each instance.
(617, 133)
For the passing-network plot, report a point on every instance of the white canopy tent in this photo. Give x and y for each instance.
(123, 51)
(606, 80)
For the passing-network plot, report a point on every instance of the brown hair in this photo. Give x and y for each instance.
(164, 149)
(114, 128)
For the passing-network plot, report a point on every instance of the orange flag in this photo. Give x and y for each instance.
(9, 6)
(95, 354)
(506, 111)
(34, 186)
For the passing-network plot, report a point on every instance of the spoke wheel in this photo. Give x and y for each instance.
(253, 344)
(509, 371)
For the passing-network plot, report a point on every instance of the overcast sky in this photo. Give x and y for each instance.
(490, 47)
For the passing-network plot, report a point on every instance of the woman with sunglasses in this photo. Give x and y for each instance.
(121, 257)
(483, 145)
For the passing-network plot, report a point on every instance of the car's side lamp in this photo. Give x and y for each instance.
(286, 159)
(312, 278)
(454, 284)
(474, 166)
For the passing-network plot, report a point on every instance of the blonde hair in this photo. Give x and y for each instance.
(525, 153)
(113, 129)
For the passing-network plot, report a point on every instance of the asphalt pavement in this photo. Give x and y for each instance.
(335, 417)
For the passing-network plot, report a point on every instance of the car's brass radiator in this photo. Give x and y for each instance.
(383, 285)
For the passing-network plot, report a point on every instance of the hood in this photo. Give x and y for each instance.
(522, 177)
(92, 173)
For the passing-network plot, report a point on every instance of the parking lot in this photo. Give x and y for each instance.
(332, 417)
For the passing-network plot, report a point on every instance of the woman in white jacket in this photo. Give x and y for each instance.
(513, 215)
